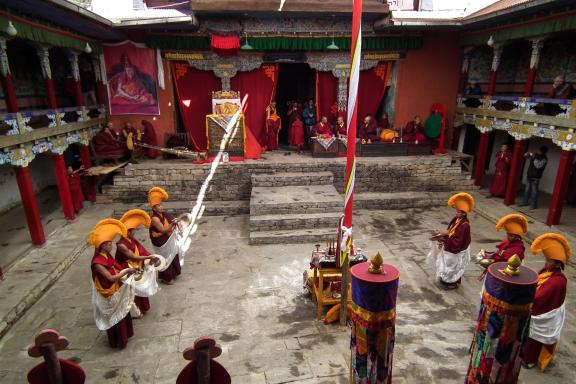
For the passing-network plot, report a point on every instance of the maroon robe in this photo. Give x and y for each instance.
(293, 113)
(498, 185)
(384, 123)
(369, 131)
(158, 240)
(413, 132)
(71, 373)
(341, 129)
(460, 239)
(149, 137)
(507, 249)
(143, 303)
(322, 129)
(76, 191)
(296, 136)
(273, 126)
(119, 334)
(549, 296)
(565, 91)
(106, 143)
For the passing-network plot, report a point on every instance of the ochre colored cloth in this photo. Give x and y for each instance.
(369, 131)
(550, 295)
(507, 249)
(413, 132)
(71, 373)
(498, 185)
(459, 238)
(158, 239)
(322, 129)
(296, 136)
(149, 137)
(107, 142)
(76, 191)
(105, 287)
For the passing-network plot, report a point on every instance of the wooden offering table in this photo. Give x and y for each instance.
(324, 147)
(318, 288)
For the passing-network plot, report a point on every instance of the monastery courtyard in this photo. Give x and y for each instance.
(250, 299)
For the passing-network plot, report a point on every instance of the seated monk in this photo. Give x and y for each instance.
(369, 129)
(273, 126)
(322, 128)
(341, 127)
(107, 141)
(413, 132)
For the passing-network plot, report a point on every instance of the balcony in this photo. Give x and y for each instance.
(521, 117)
(26, 134)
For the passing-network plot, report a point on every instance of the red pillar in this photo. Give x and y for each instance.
(30, 205)
(529, 86)
(79, 98)
(492, 83)
(9, 93)
(514, 175)
(50, 93)
(560, 188)
(481, 158)
(63, 186)
(87, 163)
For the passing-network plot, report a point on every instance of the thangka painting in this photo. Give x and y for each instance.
(132, 79)
(225, 102)
(558, 57)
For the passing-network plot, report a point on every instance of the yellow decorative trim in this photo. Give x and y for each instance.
(373, 316)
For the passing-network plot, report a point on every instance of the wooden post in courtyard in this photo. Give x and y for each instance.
(30, 205)
(63, 187)
(6, 78)
(44, 55)
(534, 61)
(560, 188)
(515, 174)
(494, 69)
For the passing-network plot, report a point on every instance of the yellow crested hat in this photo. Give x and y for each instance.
(553, 246)
(135, 218)
(462, 201)
(106, 230)
(156, 195)
(513, 223)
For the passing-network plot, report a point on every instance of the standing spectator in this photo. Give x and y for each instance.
(536, 168)
(498, 185)
(561, 89)
(309, 115)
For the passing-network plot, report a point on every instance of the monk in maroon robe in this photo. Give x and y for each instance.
(294, 110)
(413, 132)
(107, 141)
(323, 127)
(160, 231)
(107, 274)
(498, 185)
(75, 189)
(273, 126)
(340, 128)
(561, 89)
(508, 247)
(369, 129)
(149, 137)
(296, 136)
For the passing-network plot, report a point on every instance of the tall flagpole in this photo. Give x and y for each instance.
(355, 56)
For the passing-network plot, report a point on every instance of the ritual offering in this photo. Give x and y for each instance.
(503, 323)
(374, 291)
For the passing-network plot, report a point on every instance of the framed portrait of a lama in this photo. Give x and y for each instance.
(132, 79)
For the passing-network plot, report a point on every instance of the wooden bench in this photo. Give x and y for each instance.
(466, 161)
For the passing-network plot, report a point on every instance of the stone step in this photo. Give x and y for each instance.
(399, 200)
(213, 208)
(282, 179)
(294, 199)
(294, 221)
(311, 235)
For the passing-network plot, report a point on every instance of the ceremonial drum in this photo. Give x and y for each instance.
(324, 147)
(503, 325)
(373, 323)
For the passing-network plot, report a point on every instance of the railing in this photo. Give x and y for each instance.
(521, 117)
(25, 134)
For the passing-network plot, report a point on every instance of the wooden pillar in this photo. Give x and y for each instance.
(464, 73)
(30, 205)
(63, 186)
(494, 69)
(481, 158)
(44, 55)
(6, 79)
(78, 97)
(87, 163)
(99, 89)
(534, 61)
(515, 174)
(560, 188)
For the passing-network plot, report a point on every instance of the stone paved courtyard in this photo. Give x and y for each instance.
(250, 299)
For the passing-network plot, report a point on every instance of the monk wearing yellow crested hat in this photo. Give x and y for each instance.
(161, 227)
(130, 253)
(112, 307)
(548, 310)
(451, 253)
(516, 227)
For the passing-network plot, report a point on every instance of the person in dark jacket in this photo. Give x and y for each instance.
(538, 162)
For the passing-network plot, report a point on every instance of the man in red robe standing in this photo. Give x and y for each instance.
(548, 310)
(323, 128)
(76, 189)
(413, 132)
(273, 126)
(498, 185)
(515, 226)
(296, 136)
(369, 129)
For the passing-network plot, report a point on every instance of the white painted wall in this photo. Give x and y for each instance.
(41, 172)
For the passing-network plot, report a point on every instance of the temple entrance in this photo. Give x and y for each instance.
(296, 82)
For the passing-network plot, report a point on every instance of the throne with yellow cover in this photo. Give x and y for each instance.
(219, 124)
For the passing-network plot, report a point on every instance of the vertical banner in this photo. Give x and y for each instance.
(132, 79)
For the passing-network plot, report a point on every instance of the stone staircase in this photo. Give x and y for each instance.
(292, 207)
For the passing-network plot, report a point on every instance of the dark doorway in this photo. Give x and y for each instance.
(296, 82)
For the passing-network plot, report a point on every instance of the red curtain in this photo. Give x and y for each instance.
(194, 90)
(371, 89)
(260, 86)
(326, 96)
